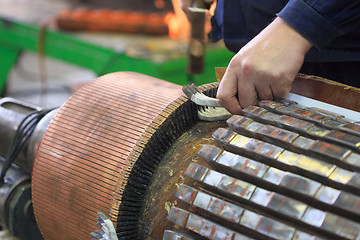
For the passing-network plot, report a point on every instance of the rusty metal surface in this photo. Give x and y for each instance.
(87, 154)
(316, 148)
(161, 192)
(279, 172)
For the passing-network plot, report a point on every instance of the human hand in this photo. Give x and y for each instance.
(264, 68)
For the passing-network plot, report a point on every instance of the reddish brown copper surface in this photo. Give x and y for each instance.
(88, 151)
(85, 159)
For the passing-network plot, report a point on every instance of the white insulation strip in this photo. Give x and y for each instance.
(308, 102)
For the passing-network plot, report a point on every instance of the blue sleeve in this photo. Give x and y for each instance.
(322, 21)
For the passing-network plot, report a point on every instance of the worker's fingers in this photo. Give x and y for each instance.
(227, 93)
(264, 90)
(247, 73)
(247, 94)
(282, 90)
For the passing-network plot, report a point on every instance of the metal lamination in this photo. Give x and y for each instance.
(282, 171)
(87, 154)
(295, 142)
(306, 122)
(269, 202)
(308, 190)
(117, 147)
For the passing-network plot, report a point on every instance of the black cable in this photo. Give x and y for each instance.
(21, 138)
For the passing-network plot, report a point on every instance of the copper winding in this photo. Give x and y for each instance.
(88, 151)
(122, 145)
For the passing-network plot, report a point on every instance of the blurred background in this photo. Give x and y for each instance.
(50, 48)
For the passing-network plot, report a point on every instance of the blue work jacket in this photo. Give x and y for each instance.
(333, 26)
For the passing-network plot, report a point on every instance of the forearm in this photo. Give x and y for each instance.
(279, 30)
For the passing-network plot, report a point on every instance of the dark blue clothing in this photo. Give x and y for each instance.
(333, 26)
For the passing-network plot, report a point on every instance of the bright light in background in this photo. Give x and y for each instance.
(179, 25)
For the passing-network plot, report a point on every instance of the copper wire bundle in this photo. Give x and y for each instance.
(90, 148)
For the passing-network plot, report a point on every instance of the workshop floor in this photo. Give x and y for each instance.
(24, 81)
